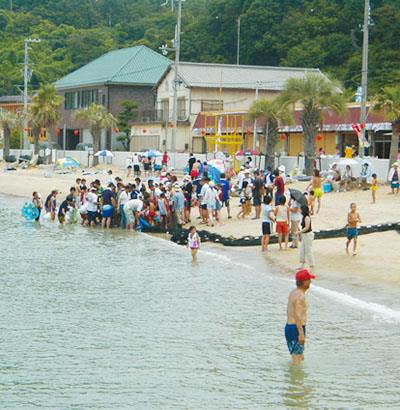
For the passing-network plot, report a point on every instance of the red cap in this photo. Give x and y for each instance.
(304, 274)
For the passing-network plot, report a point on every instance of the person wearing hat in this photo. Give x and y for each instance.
(178, 204)
(394, 177)
(295, 329)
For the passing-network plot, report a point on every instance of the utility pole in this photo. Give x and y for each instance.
(27, 74)
(255, 119)
(11, 5)
(177, 47)
(364, 77)
(238, 42)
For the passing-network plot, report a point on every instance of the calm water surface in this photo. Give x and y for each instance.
(109, 320)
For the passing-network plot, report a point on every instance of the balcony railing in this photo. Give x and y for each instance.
(160, 116)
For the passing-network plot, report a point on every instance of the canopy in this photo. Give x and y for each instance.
(104, 153)
(67, 162)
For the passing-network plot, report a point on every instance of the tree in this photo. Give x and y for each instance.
(315, 93)
(44, 111)
(274, 113)
(96, 118)
(10, 121)
(123, 120)
(388, 100)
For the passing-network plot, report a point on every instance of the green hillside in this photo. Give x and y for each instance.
(307, 33)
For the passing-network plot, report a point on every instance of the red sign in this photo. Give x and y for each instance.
(283, 137)
(357, 129)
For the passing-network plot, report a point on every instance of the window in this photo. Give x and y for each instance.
(89, 97)
(212, 105)
(181, 109)
(72, 100)
(165, 109)
(80, 99)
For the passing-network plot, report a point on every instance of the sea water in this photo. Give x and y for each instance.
(92, 319)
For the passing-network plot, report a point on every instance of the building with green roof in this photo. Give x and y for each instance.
(119, 75)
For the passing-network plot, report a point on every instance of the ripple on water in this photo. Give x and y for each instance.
(108, 320)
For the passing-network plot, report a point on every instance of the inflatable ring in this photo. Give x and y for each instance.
(29, 211)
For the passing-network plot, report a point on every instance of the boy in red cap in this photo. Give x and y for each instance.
(295, 329)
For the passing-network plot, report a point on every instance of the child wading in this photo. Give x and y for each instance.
(193, 242)
(353, 219)
(268, 218)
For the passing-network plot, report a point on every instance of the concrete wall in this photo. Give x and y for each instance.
(379, 166)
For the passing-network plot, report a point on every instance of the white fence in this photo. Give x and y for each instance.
(179, 161)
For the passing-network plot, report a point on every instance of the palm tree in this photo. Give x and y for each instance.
(96, 118)
(10, 121)
(44, 111)
(315, 93)
(388, 100)
(275, 114)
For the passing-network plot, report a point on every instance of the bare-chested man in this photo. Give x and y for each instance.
(295, 329)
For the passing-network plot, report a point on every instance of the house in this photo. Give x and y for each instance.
(337, 132)
(206, 88)
(125, 74)
(12, 103)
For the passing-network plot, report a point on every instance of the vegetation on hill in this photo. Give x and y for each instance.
(308, 33)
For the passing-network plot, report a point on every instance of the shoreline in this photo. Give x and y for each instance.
(374, 259)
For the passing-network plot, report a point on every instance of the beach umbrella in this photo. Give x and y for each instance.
(214, 173)
(217, 163)
(104, 153)
(68, 162)
(152, 154)
(298, 196)
(247, 153)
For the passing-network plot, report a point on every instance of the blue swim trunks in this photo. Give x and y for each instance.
(352, 233)
(107, 211)
(292, 339)
(394, 185)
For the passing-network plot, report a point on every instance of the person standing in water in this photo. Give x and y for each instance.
(37, 201)
(295, 329)
(193, 242)
(353, 219)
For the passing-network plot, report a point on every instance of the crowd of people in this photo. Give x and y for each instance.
(166, 201)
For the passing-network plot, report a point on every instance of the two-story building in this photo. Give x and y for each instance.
(125, 74)
(206, 88)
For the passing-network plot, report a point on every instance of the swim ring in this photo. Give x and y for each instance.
(29, 211)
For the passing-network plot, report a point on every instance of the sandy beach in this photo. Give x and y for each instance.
(378, 253)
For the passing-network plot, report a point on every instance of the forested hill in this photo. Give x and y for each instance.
(308, 33)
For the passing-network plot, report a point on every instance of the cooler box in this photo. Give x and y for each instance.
(327, 187)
